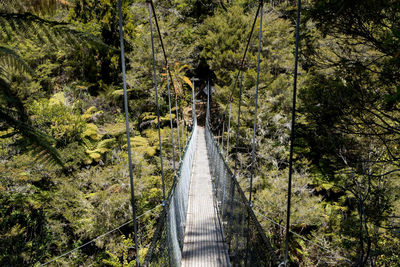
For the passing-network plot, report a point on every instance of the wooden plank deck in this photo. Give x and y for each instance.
(204, 245)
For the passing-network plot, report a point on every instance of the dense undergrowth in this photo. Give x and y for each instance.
(63, 156)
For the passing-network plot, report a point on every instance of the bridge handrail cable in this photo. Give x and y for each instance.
(98, 237)
(167, 243)
(260, 251)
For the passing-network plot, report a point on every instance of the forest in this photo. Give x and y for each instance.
(64, 178)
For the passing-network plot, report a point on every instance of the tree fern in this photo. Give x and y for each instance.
(11, 62)
(21, 20)
(30, 20)
(40, 7)
(14, 116)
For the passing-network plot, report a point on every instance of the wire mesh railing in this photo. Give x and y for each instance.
(167, 244)
(247, 242)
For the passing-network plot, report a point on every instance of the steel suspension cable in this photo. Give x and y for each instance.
(193, 102)
(186, 133)
(177, 126)
(219, 139)
(161, 40)
(157, 105)
(300, 236)
(133, 203)
(170, 120)
(244, 54)
(98, 237)
(208, 102)
(159, 34)
(229, 129)
(170, 75)
(223, 131)
(241, 67)
(240, 73)
(183, 130)
(292, 132)
(236, 161)
(253, 145)
(238, 121)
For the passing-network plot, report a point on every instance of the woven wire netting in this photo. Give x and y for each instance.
(167, 244)
(247, 242)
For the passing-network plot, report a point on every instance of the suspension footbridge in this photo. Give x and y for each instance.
(206, 219)
(204, 243)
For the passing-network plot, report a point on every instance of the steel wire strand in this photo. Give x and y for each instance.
(170, 75)
(220, 174)
(177, 126)
(300, 236)
(208, 103)
(157, 105)
(240, 73)
(171, 124)
(245, 53)
(132, 189)
(242, 61)
(161, 40)
(229, 130)
(243, 58)
(292, 133)
(100, 236)
(253, 145)
(237, 201)
(256, 105)
(236, 162)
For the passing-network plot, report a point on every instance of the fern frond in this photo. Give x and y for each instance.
(9, 60)
(13, 115)
(40, 7)
(12, 101)
(34, 140)
(187, 80)
(29, 26)
(181, 68)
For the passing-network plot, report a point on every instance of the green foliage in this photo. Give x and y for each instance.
(345, 152)
(125, 252)
(58, 119)
(55, 96)
(13, 112)
(141, 145)
(60, 97)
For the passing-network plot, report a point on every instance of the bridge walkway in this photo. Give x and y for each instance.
(204, 245)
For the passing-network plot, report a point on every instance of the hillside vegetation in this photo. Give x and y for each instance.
(64, 177)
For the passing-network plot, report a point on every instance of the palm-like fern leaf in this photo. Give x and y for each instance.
(29, 19)
(10, 61)
(39, 7)
(14, 116)
(26, 20)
